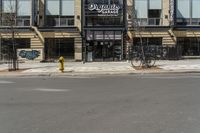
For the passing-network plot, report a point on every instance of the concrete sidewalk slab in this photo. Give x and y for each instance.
(93, 68)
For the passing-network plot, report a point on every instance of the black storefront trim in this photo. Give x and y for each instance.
(187, 28)
(105, 29)
(85, 28)
(17, 29)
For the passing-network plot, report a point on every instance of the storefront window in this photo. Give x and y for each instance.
(190, 46)
(155, 41)
(7, 47)
(54, 48)
(104, 35)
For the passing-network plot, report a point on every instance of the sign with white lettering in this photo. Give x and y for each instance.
(105, 10)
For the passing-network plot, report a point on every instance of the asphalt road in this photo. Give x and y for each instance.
(103, 104)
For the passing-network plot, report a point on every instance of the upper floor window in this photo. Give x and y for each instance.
(148, 12)
(183, 9)
(52, 7)
(24, 8)
(14, 11)
(188, 12)
(59, 12)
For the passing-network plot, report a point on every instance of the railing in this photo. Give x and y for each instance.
(195, 21)
(188, 21)
(160, 52)
(148, 21)
(155, 21)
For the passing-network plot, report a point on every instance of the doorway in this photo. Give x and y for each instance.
(105, 50)
(56, 47)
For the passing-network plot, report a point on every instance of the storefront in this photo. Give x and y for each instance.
(190, 46)
(103, 29)
(56, 47)
(6, 46)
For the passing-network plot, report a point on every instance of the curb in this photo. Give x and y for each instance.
(67, 74)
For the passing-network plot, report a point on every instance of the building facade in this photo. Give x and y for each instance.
(97, 30)
(168, 23)
(104, 27)
(49, 27)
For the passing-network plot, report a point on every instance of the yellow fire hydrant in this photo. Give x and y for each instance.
(61, 66)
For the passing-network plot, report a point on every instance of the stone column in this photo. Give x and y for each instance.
(78, 14)
(78, 48)
(41, 13)
(166, 15)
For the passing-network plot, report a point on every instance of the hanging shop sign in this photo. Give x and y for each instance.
(105, 10)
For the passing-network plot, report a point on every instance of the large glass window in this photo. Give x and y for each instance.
(155, 4)
(187, 12)
(148, 12)
(7, 47)
(24, 8)
(154, 41)
(52, 7)
(54, 48)
(67, 7)
(190, 46)
(195, 9)
(16, 12)
(183, 10)
(24, 12)
(60, 13)
(141, 8)
(9, 6)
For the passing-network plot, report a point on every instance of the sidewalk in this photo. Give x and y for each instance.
(78, 68)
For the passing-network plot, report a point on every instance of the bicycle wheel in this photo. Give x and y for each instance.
(136, 62)
(150, 61)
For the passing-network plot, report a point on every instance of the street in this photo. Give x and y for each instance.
(132, 103)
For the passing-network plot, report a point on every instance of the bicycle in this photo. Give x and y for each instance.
(146, 60)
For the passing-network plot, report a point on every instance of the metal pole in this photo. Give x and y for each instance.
(14, 51)
(0, 49)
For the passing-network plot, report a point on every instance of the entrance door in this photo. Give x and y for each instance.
(56, 47)
(106, 51)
